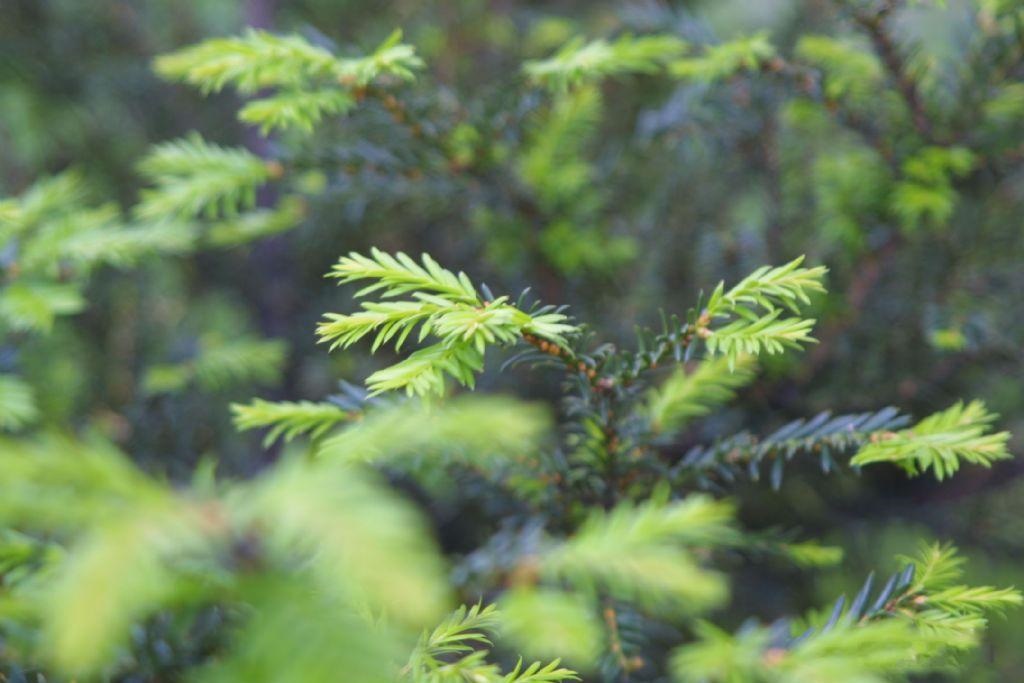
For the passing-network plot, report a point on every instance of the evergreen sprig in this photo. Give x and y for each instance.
(17, 403)
(788, 285)
(579, 61)
(825, 436)
(52, 244)
(302, 110)
(193, 176)
(447, 653)
(288, 419)
(683, 395)
(305, 528)
(772, 290)
(641, 552)
(309, 81)
(443, 305)
(907, 626)
(219, 363)
(721, 61)
(940, 442)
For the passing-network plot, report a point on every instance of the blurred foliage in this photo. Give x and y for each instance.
(610, 156)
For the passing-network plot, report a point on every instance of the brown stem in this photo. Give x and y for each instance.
(875, 25)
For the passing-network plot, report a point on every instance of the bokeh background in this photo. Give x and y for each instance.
(681, 183)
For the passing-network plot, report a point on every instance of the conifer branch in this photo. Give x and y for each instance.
(876, 27)
(579, 61)
(824, 436)
(218, 364)
(195, 177)
(17, 403)
(444, 306)
(683, 396)
(898, 630)
(772, 290)
(302, 110)
(288, 419)
(309, 81)
(721, 61)
(447, 653)
(640, 552)
(940, 442)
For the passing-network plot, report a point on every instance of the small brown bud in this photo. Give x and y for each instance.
(275, 169)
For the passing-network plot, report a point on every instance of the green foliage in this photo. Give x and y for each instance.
(579, 62)
(35, 306)
(555, 166)
(910, 626)
(219, 363)
(195, 177)
(17, 404)
(641, 553)
(926, 195)
(288, 419)
(132, 554)
(769, 288)
(593, 539)
(447, 653)
(151, 544)
(825, 436)
(772, 290)
(256, 224)
(310, 82)
(721, 61)
(683, 396)
(745, 336)
(301, 110)
(54, 237)
(851, 183)
(476, 429)
(551, 624)
(849, 70)
(644, 549)
(442, 305)
(940, 442)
